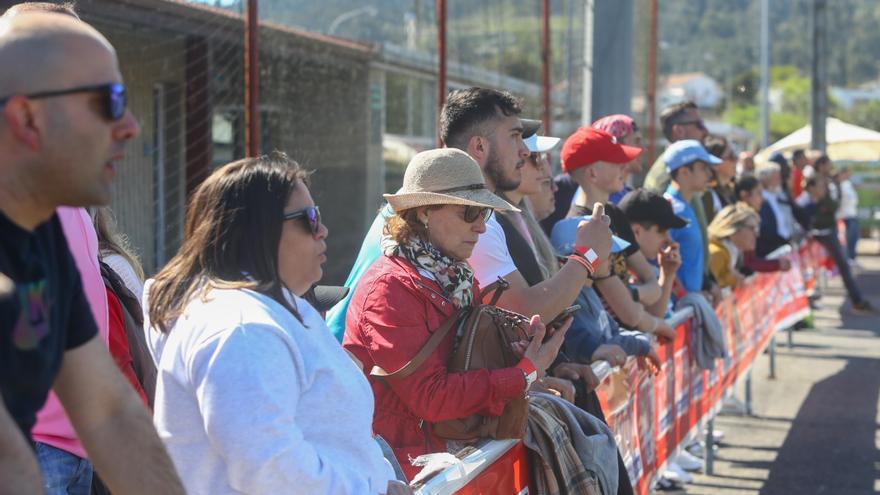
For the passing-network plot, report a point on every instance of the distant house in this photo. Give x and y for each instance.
(695, 86)
(850, 97)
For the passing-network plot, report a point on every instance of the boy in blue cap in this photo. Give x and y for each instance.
(595, 335)
(688, 164)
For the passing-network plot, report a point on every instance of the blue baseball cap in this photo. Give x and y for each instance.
(564, 234)
(685, 152)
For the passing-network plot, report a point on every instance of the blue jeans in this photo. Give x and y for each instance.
(852, 236)
(835, 250)
(63, 472)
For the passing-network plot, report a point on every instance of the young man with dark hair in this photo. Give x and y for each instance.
(485, 123)
(65, 127)
(497, 146)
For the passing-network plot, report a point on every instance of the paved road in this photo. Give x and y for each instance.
(815, 428)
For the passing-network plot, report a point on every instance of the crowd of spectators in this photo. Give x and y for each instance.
(227, 349)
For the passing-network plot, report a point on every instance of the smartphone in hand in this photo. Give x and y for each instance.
(560, 319)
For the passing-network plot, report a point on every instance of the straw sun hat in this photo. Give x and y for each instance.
(445, 176)
(730, 219)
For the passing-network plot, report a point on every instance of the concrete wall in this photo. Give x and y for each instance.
(316, 105)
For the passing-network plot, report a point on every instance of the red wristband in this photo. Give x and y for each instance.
(530, 374)
(588, 255)
(525, 364)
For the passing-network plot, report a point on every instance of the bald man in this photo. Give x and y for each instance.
(63, 129)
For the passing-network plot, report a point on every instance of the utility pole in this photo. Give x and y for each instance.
(441, 60)
(545, 63)
(252, 80)
(765, 73)
(651, 90)
(587, 85)
(819, 76)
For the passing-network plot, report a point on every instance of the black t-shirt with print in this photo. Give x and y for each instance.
(45, 314)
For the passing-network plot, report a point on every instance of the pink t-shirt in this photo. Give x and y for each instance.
(52, 426)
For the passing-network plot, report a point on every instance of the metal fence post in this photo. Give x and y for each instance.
(709, 451)
(748, 393)
(772, 357)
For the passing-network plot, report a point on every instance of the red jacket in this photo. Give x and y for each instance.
(392, 314)
(118, 344)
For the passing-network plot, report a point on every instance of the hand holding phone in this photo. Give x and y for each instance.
(561, 318)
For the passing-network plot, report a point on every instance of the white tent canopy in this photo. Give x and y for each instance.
(844, 142)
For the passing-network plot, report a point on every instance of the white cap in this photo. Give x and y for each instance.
(540, 144)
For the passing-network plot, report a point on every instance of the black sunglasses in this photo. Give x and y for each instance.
(472, 213)
(112, 95)
(312, 215)
(699, 123)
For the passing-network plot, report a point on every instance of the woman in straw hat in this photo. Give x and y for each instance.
(733, 231)
(422, 280)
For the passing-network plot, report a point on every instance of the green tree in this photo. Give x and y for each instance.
(864, 114)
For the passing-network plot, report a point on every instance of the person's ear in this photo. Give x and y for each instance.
(637, 229)
(478, 148)
(590, 172)
(422, 215)
(20, 118)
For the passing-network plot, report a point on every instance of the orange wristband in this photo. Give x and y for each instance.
(583, 262)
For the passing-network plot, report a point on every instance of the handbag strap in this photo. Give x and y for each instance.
(409, 368)
(420, 356)
(498, 287)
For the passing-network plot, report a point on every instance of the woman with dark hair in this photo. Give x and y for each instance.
(254, 395)
(422, 280)
(749, 191)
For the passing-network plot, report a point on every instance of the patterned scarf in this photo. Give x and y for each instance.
(456, 278)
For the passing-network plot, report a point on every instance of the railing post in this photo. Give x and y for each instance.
(709, 458)
(773, 357)
(748, 392)
(790, 332)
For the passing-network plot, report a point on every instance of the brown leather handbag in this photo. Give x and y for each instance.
(485, 334)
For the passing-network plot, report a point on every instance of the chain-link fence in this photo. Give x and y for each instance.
(347, 88)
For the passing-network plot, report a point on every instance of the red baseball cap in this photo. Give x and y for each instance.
(588, 146)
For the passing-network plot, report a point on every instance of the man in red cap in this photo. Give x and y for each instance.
(596, 161)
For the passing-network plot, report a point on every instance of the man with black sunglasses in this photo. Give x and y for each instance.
(63, 130)
(679, 121)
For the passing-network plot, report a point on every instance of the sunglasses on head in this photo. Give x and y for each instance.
(311, 214)
(472, 213)
(113, 97)
(699, 123)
